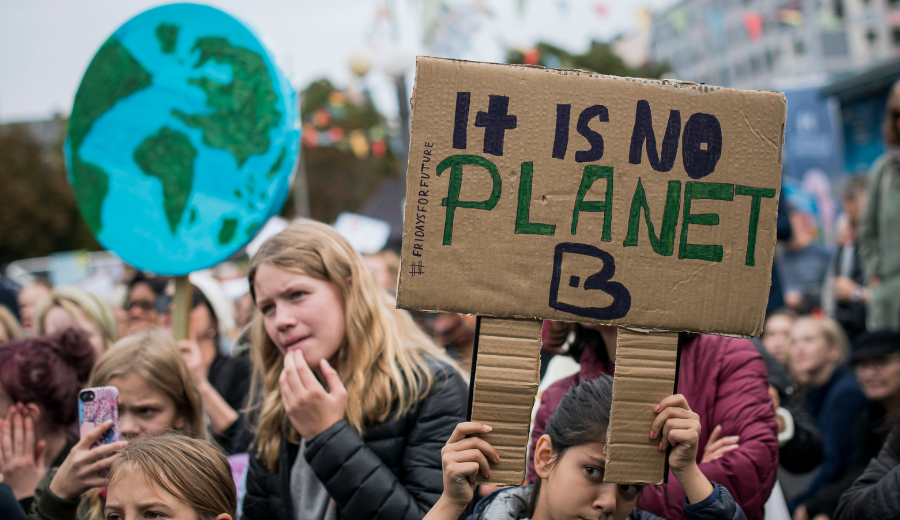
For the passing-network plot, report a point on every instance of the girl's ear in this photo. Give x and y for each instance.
(544, 456)
(224, 516)
(179, 424)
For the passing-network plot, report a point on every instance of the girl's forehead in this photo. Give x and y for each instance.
(130, 476)
(595, 451)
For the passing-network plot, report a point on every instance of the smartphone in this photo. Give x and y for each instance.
(95, 407)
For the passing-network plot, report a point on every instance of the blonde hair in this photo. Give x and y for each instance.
(10, 325)
(193, 471)
(69, 298)
(832, 332)
(383, 358)
(153, 356)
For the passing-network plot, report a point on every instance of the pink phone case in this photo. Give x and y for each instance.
(95, 407)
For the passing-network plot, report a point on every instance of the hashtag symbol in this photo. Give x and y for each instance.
(417, 268)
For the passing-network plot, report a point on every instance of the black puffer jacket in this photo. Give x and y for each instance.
(876, 493)
(393, 472)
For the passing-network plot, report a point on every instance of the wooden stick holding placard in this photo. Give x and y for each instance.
(505, 382)
(181, 312)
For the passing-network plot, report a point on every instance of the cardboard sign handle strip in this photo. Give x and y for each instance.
(631, 456)
(504, 384)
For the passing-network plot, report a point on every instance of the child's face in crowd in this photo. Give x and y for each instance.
(776, 335)
(132, 496)
(144, 409)
(300, 313)
(810, 351)
(58, 319)
(879, 377)
(28, 298)
(573, 486)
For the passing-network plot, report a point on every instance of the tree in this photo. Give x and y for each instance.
(39, 214)
(344, 150)
(599, 58)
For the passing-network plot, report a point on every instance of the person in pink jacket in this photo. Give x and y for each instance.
(726, 382)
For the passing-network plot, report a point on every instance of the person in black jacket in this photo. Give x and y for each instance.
(875, 495)
(357, 401)
(876, 357)
(570, 462)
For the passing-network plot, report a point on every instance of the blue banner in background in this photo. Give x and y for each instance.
(862, 119)
(813, 158)
(811, 135)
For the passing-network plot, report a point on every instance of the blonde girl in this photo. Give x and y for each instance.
(156, 395)
(73, 307)
(833, 399)
(172, 476)
(9, 327)
(356, 401)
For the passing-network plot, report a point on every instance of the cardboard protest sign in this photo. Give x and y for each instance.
(557, 194)
(572, 196)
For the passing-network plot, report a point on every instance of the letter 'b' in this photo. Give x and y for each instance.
(451, 201)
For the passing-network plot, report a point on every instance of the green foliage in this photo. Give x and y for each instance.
(39, 213)
(599, 58)
(356, 115)
(337, 179)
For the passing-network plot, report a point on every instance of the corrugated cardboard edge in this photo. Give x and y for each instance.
(505, 385)
(645, 374)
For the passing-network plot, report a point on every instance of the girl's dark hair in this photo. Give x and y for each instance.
(587, 337)
(582, 417)
(48, 371)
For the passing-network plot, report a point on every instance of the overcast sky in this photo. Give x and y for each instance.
(46, 45)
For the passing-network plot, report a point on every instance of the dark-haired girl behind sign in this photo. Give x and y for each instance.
(570, 461)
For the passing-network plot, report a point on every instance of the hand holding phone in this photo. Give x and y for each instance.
(95, 407)
(87, 464)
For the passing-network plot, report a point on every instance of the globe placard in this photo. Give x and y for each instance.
(182, 140)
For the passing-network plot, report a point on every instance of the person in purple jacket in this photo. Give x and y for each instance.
(570, 461)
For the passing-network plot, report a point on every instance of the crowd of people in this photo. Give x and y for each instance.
(311, 396)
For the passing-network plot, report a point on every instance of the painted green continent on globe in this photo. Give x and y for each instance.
(182, 139)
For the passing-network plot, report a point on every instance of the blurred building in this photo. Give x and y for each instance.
(760, 44)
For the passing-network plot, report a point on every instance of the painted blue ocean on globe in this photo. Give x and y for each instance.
(183, 139)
